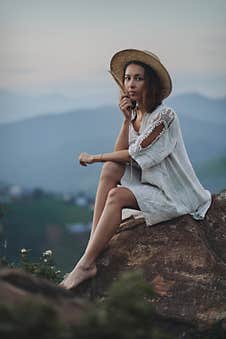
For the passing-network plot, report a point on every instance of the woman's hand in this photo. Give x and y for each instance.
(85, 159)
(125, 106)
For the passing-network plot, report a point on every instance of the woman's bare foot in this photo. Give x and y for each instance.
(78, 275)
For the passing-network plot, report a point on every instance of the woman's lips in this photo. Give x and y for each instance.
(132, 93)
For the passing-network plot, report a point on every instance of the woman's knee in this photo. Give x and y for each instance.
(116, 196)
(112, 171)
(122, 197)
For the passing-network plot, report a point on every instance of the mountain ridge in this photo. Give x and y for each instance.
(14, 104)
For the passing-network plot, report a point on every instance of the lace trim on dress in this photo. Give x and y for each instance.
(153, 133)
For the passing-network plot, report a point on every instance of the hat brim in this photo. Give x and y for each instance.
(120, 59)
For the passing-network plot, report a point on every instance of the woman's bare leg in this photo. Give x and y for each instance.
(110, 219)
(110, 176)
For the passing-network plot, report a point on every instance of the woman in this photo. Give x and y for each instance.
(149, 169)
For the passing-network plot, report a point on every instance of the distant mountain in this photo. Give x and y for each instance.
(199, 107)
(14, 105)
(43, 151)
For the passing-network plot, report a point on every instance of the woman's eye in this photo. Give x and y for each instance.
(139, 78)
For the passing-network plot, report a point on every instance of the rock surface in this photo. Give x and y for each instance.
(18, 287)
(185, 257)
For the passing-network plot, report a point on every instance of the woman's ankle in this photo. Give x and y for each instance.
(87, 265)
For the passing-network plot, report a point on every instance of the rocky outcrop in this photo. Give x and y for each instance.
(186, 257)
(18, 288)
(183, 259)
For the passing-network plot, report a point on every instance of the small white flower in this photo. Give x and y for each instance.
(23, 250)
(47, 253)
(45, 260)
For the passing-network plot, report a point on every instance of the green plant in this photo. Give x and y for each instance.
(32, 319)
(44, 268)
(125, 312)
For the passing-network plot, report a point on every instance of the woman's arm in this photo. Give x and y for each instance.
(120, 153)
(122, 142)
(117, 156)
(157, 141)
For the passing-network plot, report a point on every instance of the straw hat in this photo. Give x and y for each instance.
(119, 60)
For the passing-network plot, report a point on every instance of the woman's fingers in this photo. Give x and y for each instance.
(81, 160)
(126, 101)
(85, 158)
(82, 163)
(124, 105)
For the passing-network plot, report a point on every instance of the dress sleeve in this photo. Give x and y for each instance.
(156, 142)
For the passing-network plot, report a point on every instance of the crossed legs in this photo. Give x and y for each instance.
(109, 202)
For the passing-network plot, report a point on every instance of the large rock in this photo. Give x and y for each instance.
(18, 287)
(185, 257)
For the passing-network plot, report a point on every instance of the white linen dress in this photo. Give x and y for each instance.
(161, 175)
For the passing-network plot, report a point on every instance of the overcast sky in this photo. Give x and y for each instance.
(65, 46)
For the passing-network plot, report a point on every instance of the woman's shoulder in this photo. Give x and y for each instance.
(163, 113)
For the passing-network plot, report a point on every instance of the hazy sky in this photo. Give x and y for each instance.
(65, 46)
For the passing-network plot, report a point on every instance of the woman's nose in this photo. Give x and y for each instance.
(131, 83)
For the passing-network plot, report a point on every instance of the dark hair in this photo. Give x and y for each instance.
(152, 92)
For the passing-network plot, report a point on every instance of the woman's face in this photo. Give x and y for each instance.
(134, 82)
